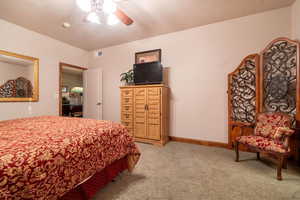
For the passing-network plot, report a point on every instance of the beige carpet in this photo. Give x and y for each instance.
(191, 172)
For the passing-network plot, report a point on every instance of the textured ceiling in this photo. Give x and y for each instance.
(152, 17)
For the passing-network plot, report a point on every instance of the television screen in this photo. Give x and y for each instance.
(148, 73)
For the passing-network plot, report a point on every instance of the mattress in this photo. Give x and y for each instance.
(45, 157)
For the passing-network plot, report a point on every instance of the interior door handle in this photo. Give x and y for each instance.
(99, 104)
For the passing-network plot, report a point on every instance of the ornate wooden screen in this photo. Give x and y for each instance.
(279, 66)
(268, 82)
(242, 94)
(20, 87)
(242, 91)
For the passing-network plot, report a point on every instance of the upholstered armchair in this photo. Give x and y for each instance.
(271, 135)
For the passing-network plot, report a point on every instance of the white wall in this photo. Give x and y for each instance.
(296, 20)
(199, 60)
(50, 52)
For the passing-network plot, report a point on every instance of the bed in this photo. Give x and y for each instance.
(46, 157)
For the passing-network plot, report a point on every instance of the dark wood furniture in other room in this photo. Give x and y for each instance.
(72, 110)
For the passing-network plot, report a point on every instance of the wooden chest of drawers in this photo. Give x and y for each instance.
(144, 112)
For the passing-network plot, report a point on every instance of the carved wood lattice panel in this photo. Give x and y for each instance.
(279, 71)
(242, 91)
(20, 87)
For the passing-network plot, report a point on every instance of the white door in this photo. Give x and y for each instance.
(93, 93)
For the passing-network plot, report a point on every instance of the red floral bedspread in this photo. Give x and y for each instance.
(45, 157)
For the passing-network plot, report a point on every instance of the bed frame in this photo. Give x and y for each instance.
(88, 188)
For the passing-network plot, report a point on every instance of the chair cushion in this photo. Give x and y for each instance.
(265, 144)
(267, 124)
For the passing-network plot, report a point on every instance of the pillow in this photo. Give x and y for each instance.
(281, 132)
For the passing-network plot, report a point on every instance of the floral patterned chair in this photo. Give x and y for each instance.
(271, 136)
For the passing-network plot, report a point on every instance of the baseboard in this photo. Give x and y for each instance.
(199, 142)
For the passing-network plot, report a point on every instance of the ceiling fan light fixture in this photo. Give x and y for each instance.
(109, 6)
(85, 5)
(106, 9)
(112, 20)
(93, 18)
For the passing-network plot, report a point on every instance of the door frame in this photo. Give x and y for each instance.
(61, 65)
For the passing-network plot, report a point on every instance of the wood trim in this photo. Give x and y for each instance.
(229, 107)
(7, 53)
(61, 65)
(160, 143)
(73, 66)
(298, 88)
(277, 40)
(258, 80)
(249, 57)
(199, 142)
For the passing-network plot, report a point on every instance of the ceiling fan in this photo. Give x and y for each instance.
(103, 9)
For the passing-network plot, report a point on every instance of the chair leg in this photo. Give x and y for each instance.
(236, 147)
(258, 155)
(284, 166)
(279, 167)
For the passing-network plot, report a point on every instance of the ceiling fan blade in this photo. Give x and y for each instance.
(123, 17)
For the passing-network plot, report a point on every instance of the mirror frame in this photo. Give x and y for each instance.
(35, 90)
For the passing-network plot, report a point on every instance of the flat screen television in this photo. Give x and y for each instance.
(148, 73)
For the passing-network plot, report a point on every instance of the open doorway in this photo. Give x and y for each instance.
(71, 90)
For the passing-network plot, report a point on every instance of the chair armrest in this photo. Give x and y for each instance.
(242, 124)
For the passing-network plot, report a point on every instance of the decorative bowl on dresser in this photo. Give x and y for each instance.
(145, 112)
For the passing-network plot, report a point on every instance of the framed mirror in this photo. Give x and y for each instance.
(19, 78)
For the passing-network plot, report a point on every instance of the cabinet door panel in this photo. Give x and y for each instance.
(154, 118)
(140, 115)
(154, 131)
(153, 115)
